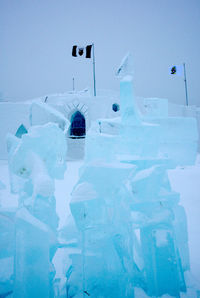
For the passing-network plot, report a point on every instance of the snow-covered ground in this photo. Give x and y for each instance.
(185, 180)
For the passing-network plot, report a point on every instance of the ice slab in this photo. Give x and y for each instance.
(42, 113)
(32, 257)
(155, 107)
(129, 113)
(49, 143)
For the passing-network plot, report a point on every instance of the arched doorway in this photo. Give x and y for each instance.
(76, 136)
(77, 128)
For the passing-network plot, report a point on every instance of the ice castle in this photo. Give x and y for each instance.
(127, 229)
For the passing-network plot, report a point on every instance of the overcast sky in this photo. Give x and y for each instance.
(36, 37)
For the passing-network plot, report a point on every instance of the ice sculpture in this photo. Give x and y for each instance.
(37, 158)
(132, 229)
(126, 66)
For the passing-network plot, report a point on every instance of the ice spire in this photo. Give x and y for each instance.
(126, 66)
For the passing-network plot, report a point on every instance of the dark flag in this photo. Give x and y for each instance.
(173, 70)
(74, 49)
(176, 70)
(88, 51)
(80, 51)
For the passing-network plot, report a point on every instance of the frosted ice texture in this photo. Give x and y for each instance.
(132, 229)
(37, 158)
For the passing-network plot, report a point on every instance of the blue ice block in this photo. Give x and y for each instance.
(163, 271)
(31, 257)
(87, 208)
(129, 112)
(181, 235)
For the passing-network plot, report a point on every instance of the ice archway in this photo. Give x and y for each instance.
(77, 128)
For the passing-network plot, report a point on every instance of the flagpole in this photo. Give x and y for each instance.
(186, 94)
(94, 79)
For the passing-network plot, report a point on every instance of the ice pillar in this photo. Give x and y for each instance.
(129, 112)
(32, 257)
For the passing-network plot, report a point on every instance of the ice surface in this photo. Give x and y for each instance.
(32, 257)
(7, 247)
(155, 107)
(129, 112)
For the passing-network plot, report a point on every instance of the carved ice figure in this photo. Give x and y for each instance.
(102, 214)
(38, 158)
(126, 66)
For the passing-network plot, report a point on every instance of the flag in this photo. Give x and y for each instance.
(82, 51)
(176, 70)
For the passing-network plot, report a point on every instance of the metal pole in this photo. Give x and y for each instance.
(73, 84)
(186, 94)
(94, 70)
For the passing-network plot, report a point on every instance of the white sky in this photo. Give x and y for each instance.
(36, 37)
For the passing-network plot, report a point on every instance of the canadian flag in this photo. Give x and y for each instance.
(82, 51)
